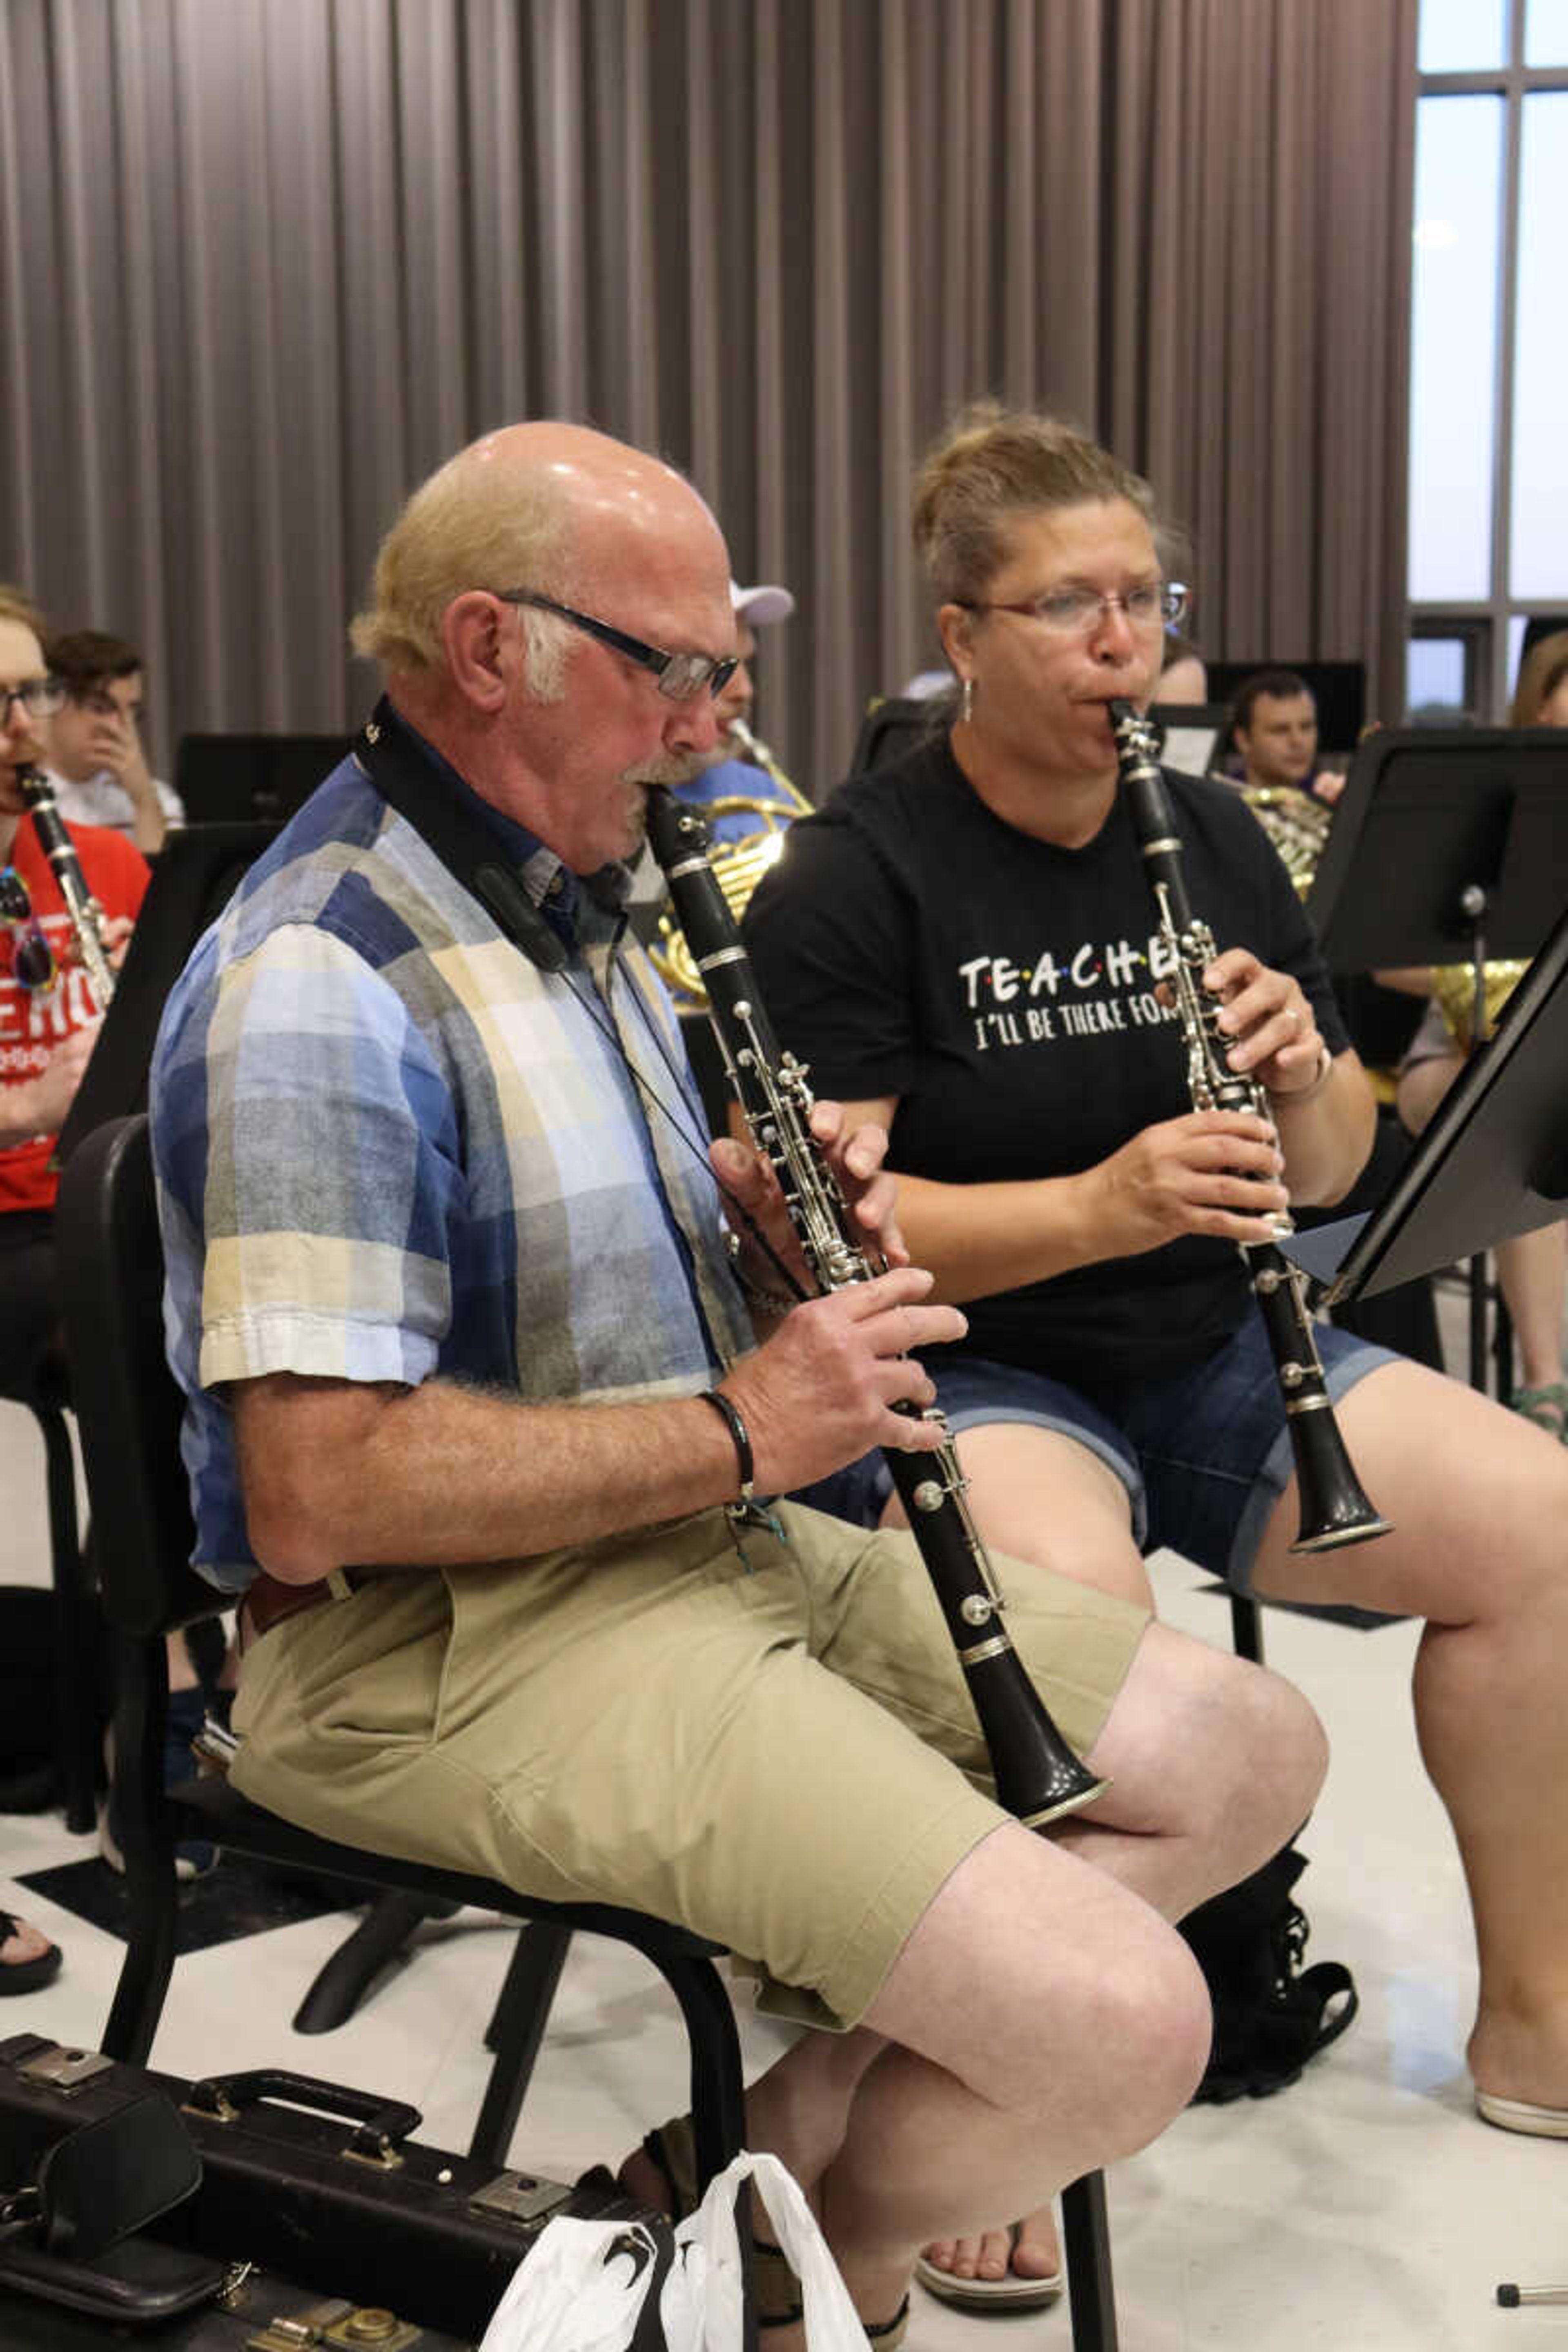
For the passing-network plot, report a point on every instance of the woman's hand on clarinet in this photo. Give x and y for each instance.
(821, 1392)
(1210, 1171)
(1265, 1025)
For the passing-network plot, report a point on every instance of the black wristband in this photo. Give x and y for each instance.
(729, 1414)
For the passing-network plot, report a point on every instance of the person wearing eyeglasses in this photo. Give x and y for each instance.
(97, 762)
(960, 947)
(48, 1027)
(485, 1436)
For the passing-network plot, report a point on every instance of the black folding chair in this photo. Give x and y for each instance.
(129, 1408)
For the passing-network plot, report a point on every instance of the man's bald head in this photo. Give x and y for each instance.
(546, 505)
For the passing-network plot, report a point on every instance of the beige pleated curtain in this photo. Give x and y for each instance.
(263, 263)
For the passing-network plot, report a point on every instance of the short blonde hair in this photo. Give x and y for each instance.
(15, 606)
(1541, 673)
(466, 528)
(993, 463)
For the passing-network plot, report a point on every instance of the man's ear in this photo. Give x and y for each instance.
(474, 628)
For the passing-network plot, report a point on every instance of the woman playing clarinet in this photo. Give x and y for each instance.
(964, 946)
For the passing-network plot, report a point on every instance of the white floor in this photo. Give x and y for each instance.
(1364, 2207)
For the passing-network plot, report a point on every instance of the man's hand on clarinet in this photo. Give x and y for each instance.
(750, 1186)
(1265, 1025)
(821, 1392)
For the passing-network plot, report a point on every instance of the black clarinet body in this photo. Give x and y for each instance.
(1038, 1776)
(1334, 1509)
(86, 914)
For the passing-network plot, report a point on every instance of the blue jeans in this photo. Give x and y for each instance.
(1203, 1453)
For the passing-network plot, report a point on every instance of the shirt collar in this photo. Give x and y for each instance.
(555, 891)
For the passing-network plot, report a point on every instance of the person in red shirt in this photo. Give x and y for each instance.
(49, 1023)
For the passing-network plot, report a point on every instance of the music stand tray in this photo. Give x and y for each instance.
(1493, 1163)
(1428, 815)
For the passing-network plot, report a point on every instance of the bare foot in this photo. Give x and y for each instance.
(19, 1942)
(1514, 2059)
(1034, 2256)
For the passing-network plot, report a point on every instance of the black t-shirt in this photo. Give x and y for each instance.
(910, 943)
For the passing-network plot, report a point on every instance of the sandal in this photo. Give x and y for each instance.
(1009, 2293)
(671, 2150)
(1547, 1407)
(26, 1976)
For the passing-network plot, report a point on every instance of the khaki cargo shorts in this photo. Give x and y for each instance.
(778, 1752)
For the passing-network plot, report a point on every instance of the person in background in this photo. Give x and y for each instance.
(1274, 728)
(1532, 1268)
(1183, 675)
(735, 772)
(49, 1025)
(96, 760)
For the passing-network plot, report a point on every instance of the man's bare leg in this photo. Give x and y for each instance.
(1212, 1764)
(1084, 1531)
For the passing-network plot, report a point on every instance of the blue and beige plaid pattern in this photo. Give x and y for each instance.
(388, 1148)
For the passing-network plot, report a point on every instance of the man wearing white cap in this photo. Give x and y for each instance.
(731, 775)
(769, 799)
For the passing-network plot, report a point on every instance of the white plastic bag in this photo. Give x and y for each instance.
(700, 2308)
(583, 2287)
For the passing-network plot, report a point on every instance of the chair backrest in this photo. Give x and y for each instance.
(196, 873)
(237, 777)
(892, 726)
(128, 1402)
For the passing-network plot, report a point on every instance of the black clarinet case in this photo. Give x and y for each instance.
(138, 2207)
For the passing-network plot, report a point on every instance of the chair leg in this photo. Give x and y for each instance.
(1247, 1628)
(74, 1626)
(1086, 2240)
(515, 2032)
(718, 2089)
(342, 1982)
(147, 1842)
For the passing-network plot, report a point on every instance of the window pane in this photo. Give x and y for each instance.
(1459, 152)
(1516, 628)
(1462, 35)
(1434, 679)
(1539, 558)
(1546, 33)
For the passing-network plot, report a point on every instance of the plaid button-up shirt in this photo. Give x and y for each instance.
(389, 1148)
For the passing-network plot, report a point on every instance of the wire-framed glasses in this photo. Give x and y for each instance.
(679, 676)
(40, 698)
(1074, 610)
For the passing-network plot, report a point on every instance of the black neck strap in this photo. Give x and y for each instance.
(462, 841)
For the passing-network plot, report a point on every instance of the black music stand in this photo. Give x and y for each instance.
(193, 878)
(1493, 1163)
(1446, 846)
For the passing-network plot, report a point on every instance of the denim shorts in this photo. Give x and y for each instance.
(1203, 1453)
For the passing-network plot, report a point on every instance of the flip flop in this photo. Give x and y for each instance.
(1547, 1407)
(26, 1976)
(1521, 2115)
(1009, 2293)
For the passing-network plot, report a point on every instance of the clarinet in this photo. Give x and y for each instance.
(86, 914)
(1334, 1510)
(1037, 1775)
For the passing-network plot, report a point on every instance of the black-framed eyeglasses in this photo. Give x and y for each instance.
(32, 957)
(1074, 612)
(679, 676)
(40, 698)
